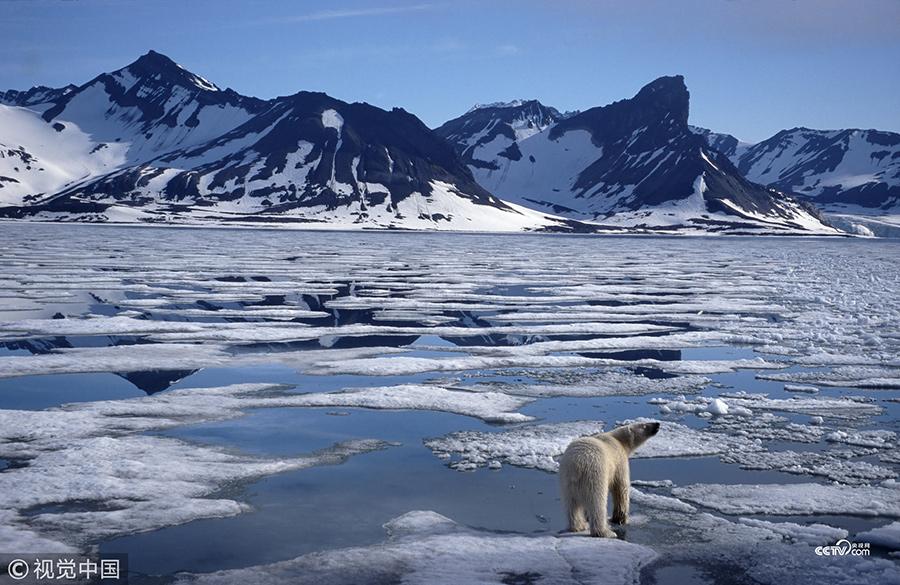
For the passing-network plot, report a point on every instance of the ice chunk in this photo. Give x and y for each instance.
(427, 548)
(168, 356)
(702, 406)
(583, 382)
(525, 356)
(817, 534)
(800, 388)
(15, 536)
(846, 408)
(717, 406)
(97, 454)
(852, 376)
(660, 502)
(489, 406)
(539, 446)
(834, 464)
(534, 446)
(796, 499)
(875, 438)
(887, 536)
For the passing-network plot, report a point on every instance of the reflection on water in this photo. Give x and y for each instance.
(37, 392)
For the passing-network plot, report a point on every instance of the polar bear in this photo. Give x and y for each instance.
(593, 465)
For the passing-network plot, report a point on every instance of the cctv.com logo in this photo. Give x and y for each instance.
(843, 548)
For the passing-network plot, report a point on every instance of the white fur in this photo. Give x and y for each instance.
(593, 466)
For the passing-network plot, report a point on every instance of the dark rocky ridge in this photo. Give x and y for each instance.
(645, 156)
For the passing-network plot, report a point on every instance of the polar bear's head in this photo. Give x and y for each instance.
(634, 435)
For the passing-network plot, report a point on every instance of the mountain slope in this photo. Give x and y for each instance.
(836, 168)
(721, 142)
(51, 139)
(498, 126)
(153, 105)
(40, 94)
(633, 163)
(153, 142)
(39, 158)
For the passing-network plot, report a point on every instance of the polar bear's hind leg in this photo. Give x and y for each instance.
(621, 492)
(575, 512)
(596, 513)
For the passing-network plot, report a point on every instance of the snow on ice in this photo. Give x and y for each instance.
(427, 548)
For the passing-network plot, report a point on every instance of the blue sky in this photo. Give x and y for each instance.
(753, 66)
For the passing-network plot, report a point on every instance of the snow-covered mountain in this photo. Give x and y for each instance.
(506, 123)
(51, 139)
(724, 143)
(39, 94)
(852, 175)
(835, 168)
(843, 167)
(152, 106)
(38, 158)
(154, 142)
(633, 163)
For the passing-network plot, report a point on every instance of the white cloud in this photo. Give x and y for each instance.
(354, 13)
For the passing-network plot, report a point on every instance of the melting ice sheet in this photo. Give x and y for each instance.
(427, 548)
(772, 364)
(91, 471)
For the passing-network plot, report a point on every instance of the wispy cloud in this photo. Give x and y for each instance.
(352, 13)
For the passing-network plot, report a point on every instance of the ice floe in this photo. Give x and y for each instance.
(702, 406)
(766, 426)
(850, 376)
(819, 534)
(887, 536)
(489, 406)
(796, 499)
(550, 309)
(526, 358)
(836, 465)
(753, 549)
(538, 446)
(848, 407)
(534, 446)
(877, 438)
(582, 382)
(16, 536)
(427, 548)
(109, 478)
(801, 388)
(166, 356)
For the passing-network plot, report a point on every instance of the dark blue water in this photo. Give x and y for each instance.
(38, 392)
